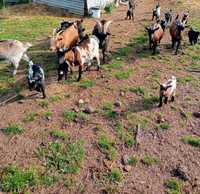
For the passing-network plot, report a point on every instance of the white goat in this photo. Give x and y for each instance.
(14, 51)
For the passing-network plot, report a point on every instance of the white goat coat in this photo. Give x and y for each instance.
(171, 82)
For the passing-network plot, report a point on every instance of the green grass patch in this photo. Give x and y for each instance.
(108, 111)
(137, 90)
(149, 102)
(173, 186)
(115, 175)
(124, 136)
(191, 140)
(13, 129)
(163, 126)
(47, 114)
(109, 8)
(44, 103)
(149, 160)
(15, 180)
(107, 147)
(55, 98)
(133, 161)
(87, 84)
(30, 117)
(69, 116)
(123, 74)
(59, 134)
(64, 157)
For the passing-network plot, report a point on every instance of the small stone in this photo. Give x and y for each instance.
(118, 104)
(89, 110)
(180, 172)
(127, 168)
(103, 76)
(80, 102)
(122, 93)
(160, 119)
(196, 114)
(76, 109)
(125, 159)
(21, 101)
(48, 118)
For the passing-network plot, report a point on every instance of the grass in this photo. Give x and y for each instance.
(173, 186)
(133, 161)
(107, 147)
(15, 180)
(64, 158)
(148, 102)
(48, 180)
(44, 103)
(109, 8)
(47, 114)
(137, 90)
(163, 126)
(123, 74)
(115, 176)
(108, 111)
(191, 140)
(126, 137)
(69, 116)
(30, 117)
(55, 98)
(87, 84)
(149, 160)
(59, 134)
(13, 129)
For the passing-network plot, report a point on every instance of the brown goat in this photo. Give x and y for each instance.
(155, 33)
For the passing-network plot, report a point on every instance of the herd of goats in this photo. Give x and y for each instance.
(75, 48)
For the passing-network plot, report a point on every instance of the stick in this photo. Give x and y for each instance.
(7, 100)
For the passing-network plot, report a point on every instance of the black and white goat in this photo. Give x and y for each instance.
(130, 11)
(156, 12)
(168, 17)
(102, 32)
(14, 51)
(168, 90)
(36, 78)
(193, 36)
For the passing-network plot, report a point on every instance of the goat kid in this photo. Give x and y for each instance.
(167, 91)
(155, 33)
(193, 36)
(156, 12)
(14, 51)
(36, 78)
(81, 56)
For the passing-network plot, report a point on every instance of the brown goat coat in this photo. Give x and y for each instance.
(174, 31)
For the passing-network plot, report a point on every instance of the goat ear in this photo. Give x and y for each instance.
(108, 33)
(156, 29)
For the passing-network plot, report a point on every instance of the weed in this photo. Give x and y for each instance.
(149, 160)
(44, 104)
(115, 176)
(16, 180)
(163, 126)
(108, 111)
(69, 183)
(193, 141)
(48, 180)
(137, 90)
(132, 161)
(123, 74)
(62, 157)
(69, 116)
(107, 147)
(30, 117)
(173, 186)
(55, 98)
(109, 8)
(47, 114)
(59, 134)
(13, 129)
(87, 84)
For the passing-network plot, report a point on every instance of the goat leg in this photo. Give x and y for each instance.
(166, 99)
(80, 72)
(161, 101)
(173, 98)
(43, 91)
(177, 47)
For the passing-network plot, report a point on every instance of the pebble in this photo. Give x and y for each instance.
(89, 110)
(125, 159)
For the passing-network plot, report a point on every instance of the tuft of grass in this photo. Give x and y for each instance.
(191, 140)
(132, 161)
(107, 147)
(59, 134)
(16, 180)
(148, 102)
(48, 180)
(13, 129)
(64, 158)
(69, 183)
(108, 111)
(44, 103)
(173, 186)
(124, 136)
(30, 117)
(137, 90)
(69, 116)
(163, 126)
(149, 160)
(124, 52)
(87, 84)
(109, 8)
(123, 74)
(83, 117)
(115, 176)
(55, 98)
(47, 114)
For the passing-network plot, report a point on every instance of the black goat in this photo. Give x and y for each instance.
(193, 36)
(102, 32)
(36, 78)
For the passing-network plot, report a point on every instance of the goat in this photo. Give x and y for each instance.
(155, 33)
(193, 36)
(14, 51)
(156, 12)
(176, 30)
(36, 78)
(81, 56)
(168, 16)
(102, 32)
(167, 90)
(130, 11)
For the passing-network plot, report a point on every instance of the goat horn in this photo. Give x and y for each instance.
(106, 25)
(99, 25)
